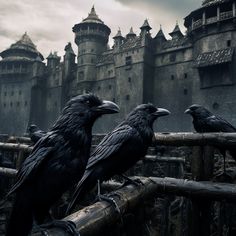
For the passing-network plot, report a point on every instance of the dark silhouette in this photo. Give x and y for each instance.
(56, 163)
(35, 133)
(120, 149)
(204, 122)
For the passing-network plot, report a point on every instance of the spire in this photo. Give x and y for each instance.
(146, 26)
(176, 33)
(93, 17)
(26, 40)
(160, 34)
(131, 32)
(118, 34)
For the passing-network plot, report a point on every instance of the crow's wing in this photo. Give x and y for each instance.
(111, 143)
(31, 164)
(218, 124)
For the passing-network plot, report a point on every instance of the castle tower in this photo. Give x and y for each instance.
(53, 60)
(118, 39)
(69, 60)
(91, 37)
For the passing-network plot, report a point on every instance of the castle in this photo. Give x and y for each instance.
(198, 67)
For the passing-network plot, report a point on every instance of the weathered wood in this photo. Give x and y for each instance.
(92, 219)
(17, 139)
(195, 139)
(8, 172)
(15, 147)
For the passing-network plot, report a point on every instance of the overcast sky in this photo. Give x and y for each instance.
(49, 22)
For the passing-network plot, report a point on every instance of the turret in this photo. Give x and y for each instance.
(176, 33)
(53, 60)
(118, 39)
(131, 34)
(91, 37)
(145, 28)
(69, 59)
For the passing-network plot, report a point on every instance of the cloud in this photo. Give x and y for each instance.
(49, 23)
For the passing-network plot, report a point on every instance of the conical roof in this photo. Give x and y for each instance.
(25, 45)
(146, 25)
(176, 31)
(160, 33)
(118, 35)
(131, 32)
(93, 17)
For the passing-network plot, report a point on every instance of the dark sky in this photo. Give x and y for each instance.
(49, 22)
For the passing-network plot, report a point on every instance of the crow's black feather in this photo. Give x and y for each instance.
(120, 149)
(57, 162)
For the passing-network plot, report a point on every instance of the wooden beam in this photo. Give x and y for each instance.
(15, 147)
(195, 139)
(92, 219)
(8, 172)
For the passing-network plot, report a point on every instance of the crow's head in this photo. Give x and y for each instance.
(83, 110)
(198, 111)
(33, 128)
(147, 113)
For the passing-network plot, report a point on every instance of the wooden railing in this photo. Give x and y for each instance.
(93, 218)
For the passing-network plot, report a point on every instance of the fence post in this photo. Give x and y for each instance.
(202, 169)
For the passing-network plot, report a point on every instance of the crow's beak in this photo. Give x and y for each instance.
(161, 112)
(108, 107)
(188, 111)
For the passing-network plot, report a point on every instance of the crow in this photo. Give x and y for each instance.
(204, 122)
(35, 133)
(120, 149)
(57, 162)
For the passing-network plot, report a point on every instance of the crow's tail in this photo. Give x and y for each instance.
(86, 183)
(21, 219)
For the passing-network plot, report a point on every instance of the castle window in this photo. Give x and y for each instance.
(185, 91)
(113, 99)
(228, 43)
(19, 92)
(129, 80)
(10, 104)
(92, 50)
(92, 60)
(18, 104)
(215, 105)
(172, 57)
(172, 77)
(12, 93)
(127, 97)
(110, 87)
(4, 104)
(26, 103)
(55, 104)
(128, 60)
(185, 75)
(99, 88)
(5, 94)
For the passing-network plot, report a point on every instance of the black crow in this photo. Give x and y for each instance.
(35, 133)
(56, 163)
(204, 122)
(120, 149)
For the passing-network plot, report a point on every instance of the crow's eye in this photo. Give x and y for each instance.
(87, 102)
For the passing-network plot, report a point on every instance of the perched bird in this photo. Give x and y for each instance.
(35, 133)
(120, 149)
(204, 122)
(57, 162)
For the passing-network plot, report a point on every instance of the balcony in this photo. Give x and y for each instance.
(223, 16)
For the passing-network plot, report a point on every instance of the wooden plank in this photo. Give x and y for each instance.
(195, 139)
